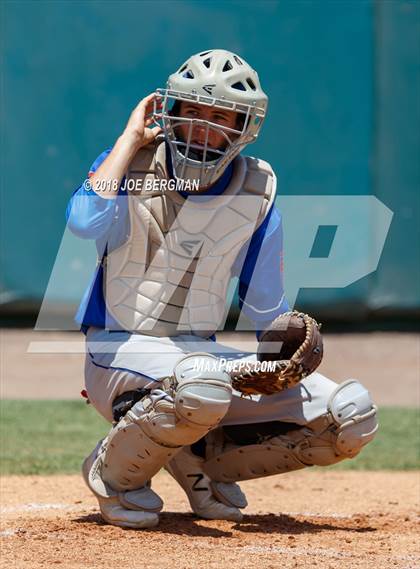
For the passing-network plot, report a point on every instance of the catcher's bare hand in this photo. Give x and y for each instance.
(292, 345)
(140, 121)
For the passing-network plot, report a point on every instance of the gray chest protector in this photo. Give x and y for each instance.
(171, 275)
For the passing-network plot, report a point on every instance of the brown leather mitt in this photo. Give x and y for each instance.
(291, 349)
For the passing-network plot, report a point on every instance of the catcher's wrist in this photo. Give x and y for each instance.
(131, 141)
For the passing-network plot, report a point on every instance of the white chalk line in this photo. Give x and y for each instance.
(317, 515)
(8, 532)
(32, 507)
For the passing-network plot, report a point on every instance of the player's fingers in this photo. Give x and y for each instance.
(142, 107)
(144, 116)
(153, 106)
(155, 131)
(152, 110)
(152, 118)
(150, 134)
(149, 121)
(149, 99)
(145, 101)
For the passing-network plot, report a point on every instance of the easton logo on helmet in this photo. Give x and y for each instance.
(209, 88)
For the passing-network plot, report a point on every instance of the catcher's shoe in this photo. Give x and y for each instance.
(208, 499)
(132, 509)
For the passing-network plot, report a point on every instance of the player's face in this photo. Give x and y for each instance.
(222, 117)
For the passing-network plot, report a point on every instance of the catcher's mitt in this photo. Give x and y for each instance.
(292, 346)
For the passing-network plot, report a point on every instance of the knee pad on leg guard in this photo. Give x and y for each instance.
(349, 424)
(197, 401)
(185, 408)
(203, 392)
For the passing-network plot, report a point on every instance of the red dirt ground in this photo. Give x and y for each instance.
(304, 520)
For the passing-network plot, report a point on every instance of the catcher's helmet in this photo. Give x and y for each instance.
(216, 78)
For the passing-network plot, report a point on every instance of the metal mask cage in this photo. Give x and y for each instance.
(200, 161)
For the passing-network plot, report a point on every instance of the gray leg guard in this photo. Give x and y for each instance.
(134, 509)
(349, 424)
(183, 410)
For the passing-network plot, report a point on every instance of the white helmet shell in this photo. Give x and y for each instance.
(220, 74)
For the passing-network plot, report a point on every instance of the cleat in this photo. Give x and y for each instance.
(123, 509)
(209, 500)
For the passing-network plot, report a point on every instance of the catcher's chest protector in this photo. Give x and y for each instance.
(171, 275)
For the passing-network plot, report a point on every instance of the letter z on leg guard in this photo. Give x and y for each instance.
(188, 405)
(208, 499)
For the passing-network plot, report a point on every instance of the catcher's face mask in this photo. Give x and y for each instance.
(207, 130)
(212, 108)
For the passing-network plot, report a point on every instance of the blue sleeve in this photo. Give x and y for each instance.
(89, 215)
(261, 284)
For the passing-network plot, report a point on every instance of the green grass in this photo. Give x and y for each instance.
(47, 437)
(396, 445)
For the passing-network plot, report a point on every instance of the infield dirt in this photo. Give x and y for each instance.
(303, 519)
